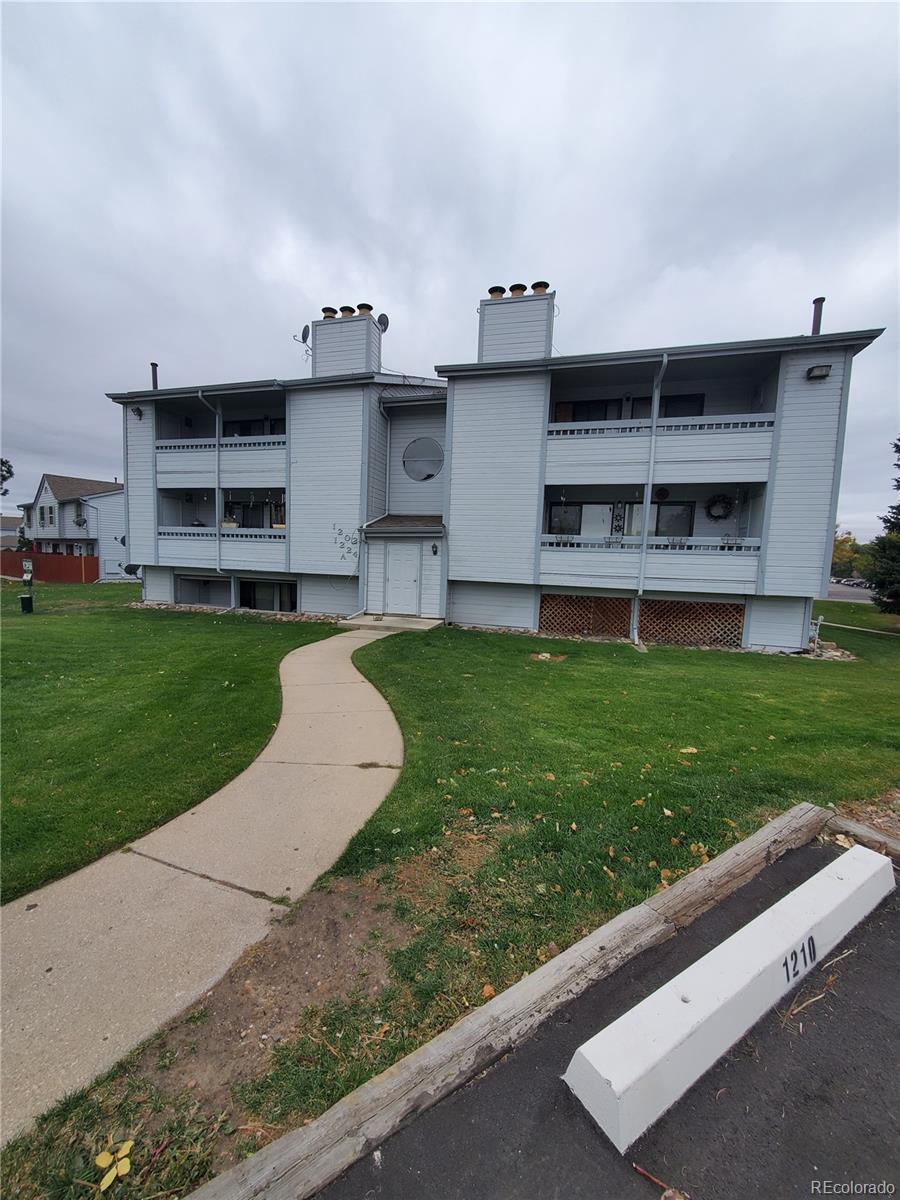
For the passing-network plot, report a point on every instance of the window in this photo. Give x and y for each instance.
(423, 459)
(674, 519)
(79, 510)
(70, 549)
(670, 407)
(565, 519)
(41, 514)
(243, 428)
(587, 410)
(89, 548)
(54, 549)
(50, 514)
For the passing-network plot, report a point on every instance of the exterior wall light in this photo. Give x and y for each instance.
(434, 549)
(138, 412)
(820, 372)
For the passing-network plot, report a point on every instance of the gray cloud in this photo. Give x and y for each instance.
(191, 183)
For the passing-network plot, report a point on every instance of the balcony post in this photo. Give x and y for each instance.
(651, 461)
(217, 413)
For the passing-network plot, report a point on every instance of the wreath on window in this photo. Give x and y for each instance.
(720, 507)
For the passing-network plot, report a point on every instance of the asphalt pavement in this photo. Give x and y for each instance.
(796, 1104)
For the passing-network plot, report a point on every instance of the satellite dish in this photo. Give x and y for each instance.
(121, 539)
(131, 568)
(383, 322)
(81, 522)
(304, 336)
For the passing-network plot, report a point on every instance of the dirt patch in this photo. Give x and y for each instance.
(883, 813)
(334, 944)
(426, 879)
(548, 657)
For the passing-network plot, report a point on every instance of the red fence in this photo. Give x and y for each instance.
(52, 568)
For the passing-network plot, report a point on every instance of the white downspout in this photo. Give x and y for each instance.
(648, 486)
(217, 413)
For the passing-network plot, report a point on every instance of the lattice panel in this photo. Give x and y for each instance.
(585, 616)
(691, 623)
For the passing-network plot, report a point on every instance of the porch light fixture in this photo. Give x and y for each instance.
(138, 412)
(822, 371)
(434, 549)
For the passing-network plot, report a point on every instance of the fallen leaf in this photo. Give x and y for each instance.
(104, 1160)
(667, 812)
(639, 803)
(464, 812)
(550, 776)
(123, 1166)
(610, 850)
(488, 992)
(573, 827)
(125, 1149)
(843, 840)
(688, 750)
(108, 1178)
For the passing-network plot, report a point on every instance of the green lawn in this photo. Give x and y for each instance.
(850, 612)
(537, 800)
(116, 719)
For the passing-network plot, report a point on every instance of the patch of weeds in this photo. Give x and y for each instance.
(403, 909)
(198, 1016)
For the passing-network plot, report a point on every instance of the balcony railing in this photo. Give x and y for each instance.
(725, 423)
(727, 543)
(262, 442)
(233, 535)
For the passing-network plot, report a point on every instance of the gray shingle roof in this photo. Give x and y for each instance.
(70, 487)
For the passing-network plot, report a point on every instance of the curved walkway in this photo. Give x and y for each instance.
(96, 962)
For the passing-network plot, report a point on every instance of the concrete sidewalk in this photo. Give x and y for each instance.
(96, 962)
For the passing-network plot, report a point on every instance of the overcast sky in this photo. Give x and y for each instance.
(192, 183)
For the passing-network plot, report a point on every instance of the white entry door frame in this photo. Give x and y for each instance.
(403, 572)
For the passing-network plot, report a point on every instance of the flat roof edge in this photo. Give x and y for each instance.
(276, 385)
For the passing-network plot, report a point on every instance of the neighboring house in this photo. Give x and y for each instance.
(10, 527)
(684, 494)
(77, 516)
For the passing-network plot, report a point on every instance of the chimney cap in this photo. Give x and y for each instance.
(518, 287)
(540, 286)
(329, 312)
(496, 292)
(347, 310)
(364, 309)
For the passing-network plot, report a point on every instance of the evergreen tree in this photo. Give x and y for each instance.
(883, 569)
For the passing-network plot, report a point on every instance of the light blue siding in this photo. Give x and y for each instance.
(107, 517)
(376, 483)
(329, 594)
(515, 329)
(807, 460)
(497, 483)
(407, 496)
(430, 578)
(141, 483)
(495, 605)
(159, 585)
(345, 346)
(375, 576)
(776, 623)
(326, 479)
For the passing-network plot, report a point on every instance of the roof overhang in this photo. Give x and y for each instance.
(264, 386)
(854, 341)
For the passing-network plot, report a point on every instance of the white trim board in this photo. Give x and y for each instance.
(635, 1069)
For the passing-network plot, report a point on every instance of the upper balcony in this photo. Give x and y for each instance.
(252, 534)
(718, 426)
(252, 451)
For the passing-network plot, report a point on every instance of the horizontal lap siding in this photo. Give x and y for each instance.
(515, 329)
(111, 512)
(492, 604)
(253, 468)
(694, 571)
(140, 480)
(498, 435)
(430, 583)
(807, 462)
(159, 585)
(331, 595)
(587, 460)
(607, 569)
(186, 468)
(375, 575)
(340, 347)
(376, 497)
(777, 622)
(741, 456)
(325, 466)
(407, 496)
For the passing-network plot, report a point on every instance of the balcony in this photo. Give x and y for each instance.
(692, 564)
(258, 461)
(241, 549)
(732, 447)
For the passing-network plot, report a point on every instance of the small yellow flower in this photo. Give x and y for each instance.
(114, 1162)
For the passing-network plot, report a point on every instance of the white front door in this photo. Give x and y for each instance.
(402, 588)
